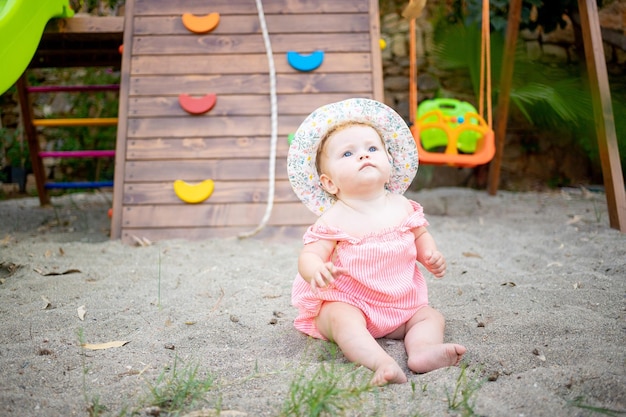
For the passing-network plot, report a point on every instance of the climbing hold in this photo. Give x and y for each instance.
(191, 193)
(201, 24)
(197, 105)
(305, 62)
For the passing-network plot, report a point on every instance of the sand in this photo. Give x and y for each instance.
(535, 290)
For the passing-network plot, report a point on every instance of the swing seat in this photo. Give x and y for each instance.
(482, 141)
(456, 111)
(466, 139)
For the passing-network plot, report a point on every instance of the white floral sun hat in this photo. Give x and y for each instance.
(395, 133)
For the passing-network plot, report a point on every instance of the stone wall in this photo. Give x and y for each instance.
(532, 159)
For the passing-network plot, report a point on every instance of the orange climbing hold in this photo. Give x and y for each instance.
(201, 24)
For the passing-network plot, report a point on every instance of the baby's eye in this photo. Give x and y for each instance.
(373, 148)
(347, 154)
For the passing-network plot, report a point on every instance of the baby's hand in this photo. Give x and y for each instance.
(326, 275)
(435, 263)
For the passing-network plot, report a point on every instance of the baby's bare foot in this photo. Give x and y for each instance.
(434, 357)
(390, 373)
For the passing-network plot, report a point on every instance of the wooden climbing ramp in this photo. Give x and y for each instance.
(195, 109)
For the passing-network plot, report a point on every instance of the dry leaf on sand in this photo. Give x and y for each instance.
(81, 312)
(52, 273)
(107, 345)
(46, 303)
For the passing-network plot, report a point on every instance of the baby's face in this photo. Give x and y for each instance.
(355, 156)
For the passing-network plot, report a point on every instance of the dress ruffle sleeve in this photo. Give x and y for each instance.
(415, 219)
(320, 232)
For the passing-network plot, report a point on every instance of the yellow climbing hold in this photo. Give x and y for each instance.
(193, 193)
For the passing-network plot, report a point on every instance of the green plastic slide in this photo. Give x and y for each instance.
(21, 25)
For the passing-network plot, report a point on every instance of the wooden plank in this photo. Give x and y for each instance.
(269, 233)
(194, 215)
(312, 82)
(120, 145)
(249, 24)
(183, 127)
(81, 24)
(252, 43)
(506, 80)
(26, 111)
(80, 41)
(222, 64)
(200, 170)
(376, 66)
(603, 115)
(157, 193)
(204, 148)
(238, 105)
(201, 7)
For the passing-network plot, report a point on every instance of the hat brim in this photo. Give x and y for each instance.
(395, 133)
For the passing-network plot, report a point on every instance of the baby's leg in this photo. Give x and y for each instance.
(424, 342)
(345, 325)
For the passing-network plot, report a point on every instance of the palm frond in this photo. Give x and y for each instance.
(546, 99)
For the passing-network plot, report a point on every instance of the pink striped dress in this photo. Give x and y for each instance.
(385, 282)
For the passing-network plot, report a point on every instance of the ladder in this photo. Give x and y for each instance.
(37, 155)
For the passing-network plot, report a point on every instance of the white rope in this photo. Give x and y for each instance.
(274, 123)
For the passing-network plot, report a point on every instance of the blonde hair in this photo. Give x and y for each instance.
(335, 129)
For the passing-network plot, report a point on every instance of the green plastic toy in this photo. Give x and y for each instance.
(456, 112)
(21, 26)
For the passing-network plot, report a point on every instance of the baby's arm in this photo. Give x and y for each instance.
(428, 254)
(314, 264)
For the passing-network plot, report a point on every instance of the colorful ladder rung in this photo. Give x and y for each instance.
(72, 88)
(98, 121)
(77, 154)
(82, 184)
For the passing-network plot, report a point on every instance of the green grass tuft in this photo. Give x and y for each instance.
(178, 389)
(331, 390)
(463, 396)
